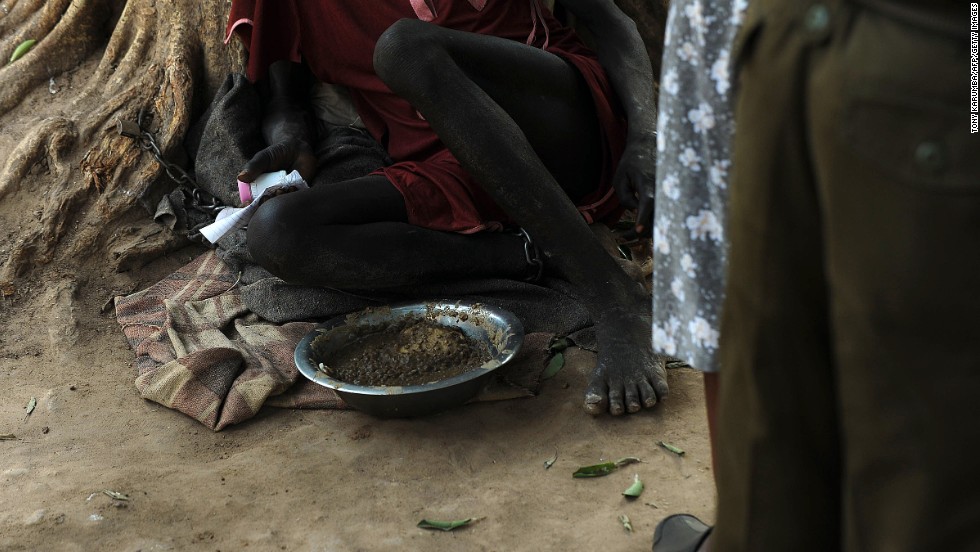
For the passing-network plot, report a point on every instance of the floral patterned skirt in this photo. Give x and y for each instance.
(694, 162)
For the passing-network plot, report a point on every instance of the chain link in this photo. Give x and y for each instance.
(202, 199)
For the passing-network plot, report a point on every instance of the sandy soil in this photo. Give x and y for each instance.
(310, 480)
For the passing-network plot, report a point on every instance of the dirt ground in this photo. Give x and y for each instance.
(310, 480)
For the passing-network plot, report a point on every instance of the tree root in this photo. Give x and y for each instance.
(18, 15)
(66, 32)
(53, 138)
(155, 60)
(135, 243)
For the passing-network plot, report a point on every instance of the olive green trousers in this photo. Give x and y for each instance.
(850, 381)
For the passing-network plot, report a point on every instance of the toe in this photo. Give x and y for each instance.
(596, 401)
(647, 394)
(632, 398)
(616, 407)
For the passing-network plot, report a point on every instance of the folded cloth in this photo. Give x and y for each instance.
(201, 351)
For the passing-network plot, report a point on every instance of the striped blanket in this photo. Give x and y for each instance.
(201, 351)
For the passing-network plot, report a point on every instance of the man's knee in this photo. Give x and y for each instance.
(404, 50)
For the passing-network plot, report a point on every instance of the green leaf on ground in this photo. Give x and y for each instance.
(556, 363)
(596, 470)
(636, 489)
(445, 525)
(558, 344)
(605, 468)
(627, 524)
(22, 49)
(671, 448)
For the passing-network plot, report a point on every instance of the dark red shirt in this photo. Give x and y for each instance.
(336, 40)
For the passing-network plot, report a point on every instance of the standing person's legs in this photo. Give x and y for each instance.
(778, 453)
(521, 120)
(895, 191)
(711, 391)
(899, 180)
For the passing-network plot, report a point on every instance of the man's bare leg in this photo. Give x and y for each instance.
(711, 383)
(504, 110)
(355, 236)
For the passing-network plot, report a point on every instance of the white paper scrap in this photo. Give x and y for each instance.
(233, 218)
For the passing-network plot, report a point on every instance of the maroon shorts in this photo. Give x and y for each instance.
(440, 195)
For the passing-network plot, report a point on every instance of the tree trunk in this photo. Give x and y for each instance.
(96, 61)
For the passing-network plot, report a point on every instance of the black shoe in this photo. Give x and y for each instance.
(680, 533)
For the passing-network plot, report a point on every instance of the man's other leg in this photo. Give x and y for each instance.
(354, 236)
(521, 121)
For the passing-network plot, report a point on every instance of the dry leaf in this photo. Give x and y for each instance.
(551, 462)
(115, 495)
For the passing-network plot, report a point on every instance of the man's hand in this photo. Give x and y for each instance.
(286, 156)
(635, 181)
(287, 124)
(624, 57)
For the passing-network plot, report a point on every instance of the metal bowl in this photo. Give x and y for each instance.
(499, 329)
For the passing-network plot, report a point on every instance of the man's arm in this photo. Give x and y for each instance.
(287, 124)
(623, 55)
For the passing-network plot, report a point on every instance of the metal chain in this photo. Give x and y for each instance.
(203, 200)
(532, 256)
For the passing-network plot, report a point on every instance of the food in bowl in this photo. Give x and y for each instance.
(498, 330)
(408, 352)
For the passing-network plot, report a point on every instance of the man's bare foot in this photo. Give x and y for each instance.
(628, 376)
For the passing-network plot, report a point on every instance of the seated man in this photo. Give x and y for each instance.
(494, 114)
